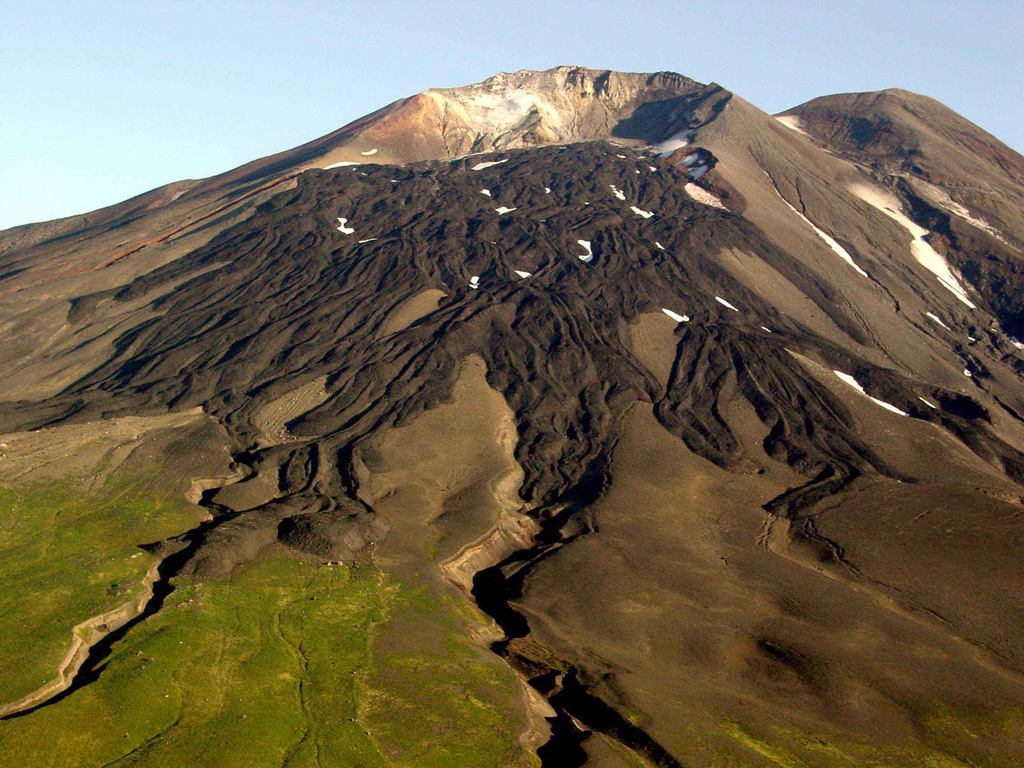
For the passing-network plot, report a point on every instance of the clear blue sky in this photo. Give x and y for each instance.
(103, 100)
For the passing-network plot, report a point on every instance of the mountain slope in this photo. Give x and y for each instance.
(661, 432)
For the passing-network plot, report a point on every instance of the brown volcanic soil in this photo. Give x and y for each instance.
(955, 178)
(732, 556)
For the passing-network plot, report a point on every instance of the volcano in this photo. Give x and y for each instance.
(569, 418)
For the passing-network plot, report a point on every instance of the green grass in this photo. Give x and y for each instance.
(67, 555)
(282, 665)
(442, 701)
(952, 742)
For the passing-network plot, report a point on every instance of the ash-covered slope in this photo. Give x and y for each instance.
(958, 180)
(721, 429)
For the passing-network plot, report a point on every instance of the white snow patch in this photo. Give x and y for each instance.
(930, 405)
(369, 152)
(767, 330)
(853, 383)
(502, 210)
(622, 156)
(697, 171)
(791, 121)
(660, 246)
(941, 198)
(342, 228)
(481, 166)
(637, 171)
(701, 195)
(474, 282)
(522, 274)
(638, 212)
(589, 255)
(676, 316)
(967, 373)
(829, 240)
(935, 318)
(342, 164)
(368, 240)
(926, 256)
(887, 406)
(653, 169)
(850, 380)
(725, 303)
(671, 144)
(1016, 342)
(485, 192)
(617, 192)
(547, 190)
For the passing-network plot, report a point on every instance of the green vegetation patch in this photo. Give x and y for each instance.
(280, 665)
(805, 750)
(67, 555)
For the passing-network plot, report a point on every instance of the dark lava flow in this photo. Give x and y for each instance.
(283, 298)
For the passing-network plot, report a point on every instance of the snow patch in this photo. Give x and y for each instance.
(617, 192)
(926, 256)
(369, 152)
(638, 212)
(485, 192)
(368, 240)
(829, 240)
(547, 190)
(622, 156)
(481, 166)
(967, 373)
(856, 385)
(932, 316)
(767, 330)
(791, 121)
(941, 198)
(930, 405)
(342, 164)
(522, 274)
(676, 316)
(725, 303)
(342, 228)
(660, 246)
(474, 282)
(701, 195)
(653, 169)
(671, 144)
(589, 255)
(502, 210)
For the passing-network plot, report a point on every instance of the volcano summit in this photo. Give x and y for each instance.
(569, 418)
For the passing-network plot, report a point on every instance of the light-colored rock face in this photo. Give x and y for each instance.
(526, 109)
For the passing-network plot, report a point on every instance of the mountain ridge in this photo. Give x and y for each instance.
(727, 413)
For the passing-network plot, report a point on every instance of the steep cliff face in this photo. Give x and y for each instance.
(717, 417)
